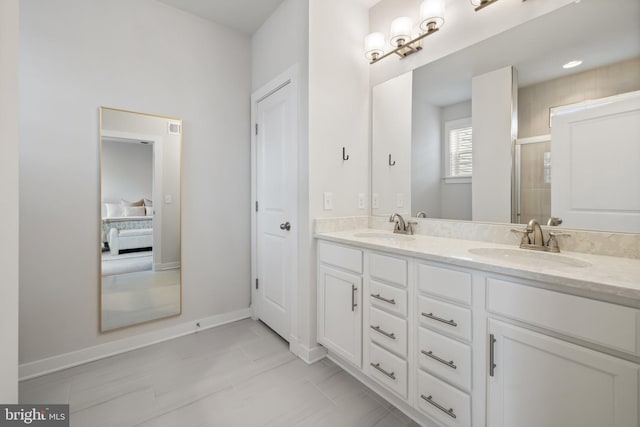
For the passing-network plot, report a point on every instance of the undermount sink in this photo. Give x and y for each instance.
(391, 237)
(532, 258)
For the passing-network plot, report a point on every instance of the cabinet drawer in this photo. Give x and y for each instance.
(387, 369)
(389, 269)
(445, 317)
(388, 331)
(449, 406)
(599, 322)
(340, 256)
(447, 358)
(451, 284)
(387, 297)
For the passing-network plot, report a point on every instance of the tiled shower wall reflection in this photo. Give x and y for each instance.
(535, 182)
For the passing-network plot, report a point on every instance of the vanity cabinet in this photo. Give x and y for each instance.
(459, 347)
(444, 338)
(539, 380)
(386, 325)
(542, 381)
(340, 301)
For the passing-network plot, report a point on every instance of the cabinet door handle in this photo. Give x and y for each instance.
(383, 332)
(492, 365)
(440, 319)
(434, 357)
(391, 375)
(353, 298)
(390, 301)
(429, 399)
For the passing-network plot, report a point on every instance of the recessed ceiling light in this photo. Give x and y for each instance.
(572, 64)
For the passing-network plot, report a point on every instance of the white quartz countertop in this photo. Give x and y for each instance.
(606, 278)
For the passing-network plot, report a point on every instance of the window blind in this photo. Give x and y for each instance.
(460, 152)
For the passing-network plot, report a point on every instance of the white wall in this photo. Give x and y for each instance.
(127, 171)
(391, 135)
(9, 12)
(494, 121)
(143, 56)
(280, 43)
(426, 154)
(455, 197)
(339, 111)
(463, 27)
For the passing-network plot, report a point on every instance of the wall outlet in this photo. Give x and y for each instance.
(328, 201)
(168, 199)
(360, 200)
(375, 201)
(400, 200)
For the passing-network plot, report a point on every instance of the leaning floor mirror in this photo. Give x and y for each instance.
(140, 218)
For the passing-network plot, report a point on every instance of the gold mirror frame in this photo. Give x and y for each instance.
(169, 120)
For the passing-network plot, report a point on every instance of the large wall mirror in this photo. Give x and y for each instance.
(140, 220)
(422, 141)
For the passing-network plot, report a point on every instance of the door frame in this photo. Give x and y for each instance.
(288, 78)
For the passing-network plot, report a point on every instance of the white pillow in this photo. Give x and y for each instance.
(149, 210)
(114, 210)
(148, 202)
(134, 211)
(140, 202)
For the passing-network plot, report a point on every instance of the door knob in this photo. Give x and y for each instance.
(285, 226)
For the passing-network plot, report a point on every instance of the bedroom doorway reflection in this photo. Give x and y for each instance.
(140, 218)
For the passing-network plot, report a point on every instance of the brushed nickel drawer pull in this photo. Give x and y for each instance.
(391, 375)
(449, 411)
(440, 319)
(353, 298)
(492, 364)
(383, 332)
(434, 357)
(390, 301)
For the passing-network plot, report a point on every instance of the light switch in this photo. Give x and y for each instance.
(168, 199)
(360, 200)
(328, 201)
(375, 201)
(400, 200)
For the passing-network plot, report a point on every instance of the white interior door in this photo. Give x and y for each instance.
(276, 195)
(595, 153)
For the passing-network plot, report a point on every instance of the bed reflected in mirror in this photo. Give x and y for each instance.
(140, 218)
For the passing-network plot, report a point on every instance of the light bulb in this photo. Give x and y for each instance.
(374, 46)
(401, 31)
(431, 14)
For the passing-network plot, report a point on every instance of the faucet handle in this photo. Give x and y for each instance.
(525, 236)
(552, 243)
(410, 226)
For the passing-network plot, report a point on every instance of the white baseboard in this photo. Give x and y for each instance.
(90, 354)
(308, 354)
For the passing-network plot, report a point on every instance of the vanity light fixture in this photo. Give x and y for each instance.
(572, 64)
(431, 19)
(481, 4)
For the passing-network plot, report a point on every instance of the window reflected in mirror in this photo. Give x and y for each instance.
(140, 218)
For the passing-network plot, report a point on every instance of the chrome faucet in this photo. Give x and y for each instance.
(538, 243)
(401, 227)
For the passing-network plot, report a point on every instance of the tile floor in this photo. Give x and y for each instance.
(240, 374)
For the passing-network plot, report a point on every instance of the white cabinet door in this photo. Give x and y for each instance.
(340, 313)
(542, 381)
